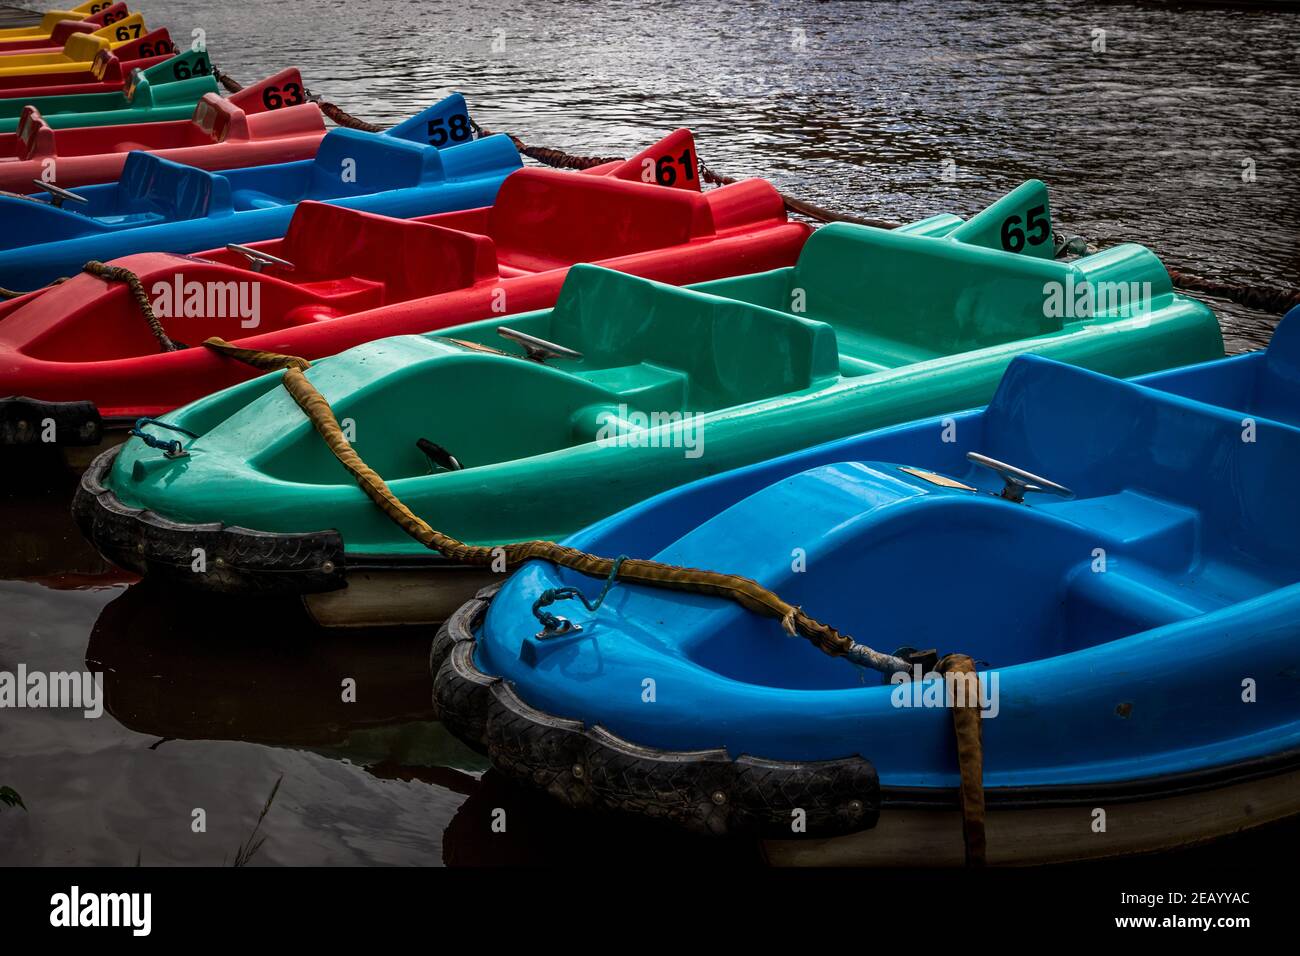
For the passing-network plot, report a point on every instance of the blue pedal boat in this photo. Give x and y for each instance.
(161, 206)
(1134, 616)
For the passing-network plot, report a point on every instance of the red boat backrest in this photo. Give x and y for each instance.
(67, 28)
(671, 162)
(220, 118)
(411, 259)
(154, 44)
(35, 137)
(106, 67)
(110, 13)
(273, 93)
(544, 218)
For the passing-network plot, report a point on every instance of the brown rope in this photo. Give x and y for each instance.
(339, 115)
(1279, 301)
(344, 118)
(746, 592)
(970, 753)
(13, 294)
(120, 274)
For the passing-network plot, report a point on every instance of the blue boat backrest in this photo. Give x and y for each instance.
(445, 123)
(152, 185)
(493, 156)
(733, 352)
(353, 163)
(1102, 436)
(1277, 393)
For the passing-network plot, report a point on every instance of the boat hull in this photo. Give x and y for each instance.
(1173, 814)
(338, 590)
(891, 827)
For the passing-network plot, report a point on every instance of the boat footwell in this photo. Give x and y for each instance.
(705, 791)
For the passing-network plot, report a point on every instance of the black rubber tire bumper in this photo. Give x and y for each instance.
(236, 560)
(23, 421)
(589, 768)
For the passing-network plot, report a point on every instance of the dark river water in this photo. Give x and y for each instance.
(856, 106)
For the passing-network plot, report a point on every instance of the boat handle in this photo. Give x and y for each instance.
(1018, 481)
(257, 259)
(59, 195)
(539, 350)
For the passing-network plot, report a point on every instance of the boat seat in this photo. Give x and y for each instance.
(731, 352)
(548, 219)
(1120, 602)
(850, 366)
(35, 137)
(408, 259)
(255, 199)
(379, 162)
(1277, 389)
(909, 298)
(176, 191)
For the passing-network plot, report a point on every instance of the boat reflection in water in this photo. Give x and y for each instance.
(203, 668)
(209, 669)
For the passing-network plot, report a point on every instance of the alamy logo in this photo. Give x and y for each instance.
(1083, 300)
(56, 690)
(631, 428)
(951, 689)
(209, 300)
(74, 908)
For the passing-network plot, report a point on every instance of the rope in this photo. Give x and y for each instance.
(553, 624)
(746, 592)
(120, 274)
(1279, 301)
(173, 448)
(14, 294)
(332, 110)
(970, 756)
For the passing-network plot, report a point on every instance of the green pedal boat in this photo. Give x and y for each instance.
(535, 425)
(165, 91)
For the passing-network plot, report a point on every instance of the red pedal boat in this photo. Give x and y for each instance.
(81, 353)
(247, 129)
(108, 72)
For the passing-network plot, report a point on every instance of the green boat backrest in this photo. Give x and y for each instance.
(544, 219)
(734, 352)
(1019, 222)
(908, 298)
(186, 76)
